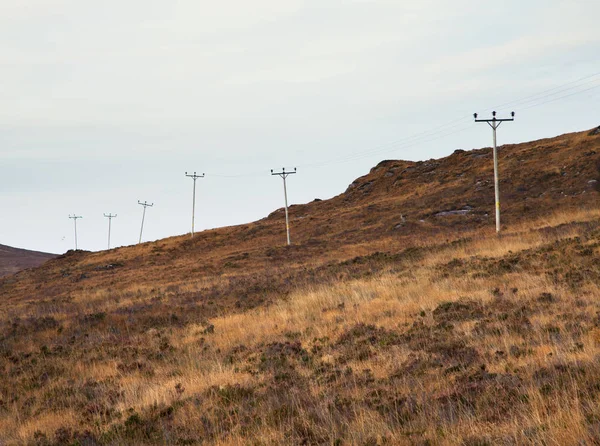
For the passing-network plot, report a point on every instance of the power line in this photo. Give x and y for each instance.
(360, 156)
(561, 97)
(241, 175)
(543, 94)
(283, 174)
(558, 92)
(494, 123)
(411, 140)
(452, 127)
(440, 131)
(194, 177)
(145, 204)
(110, 217)
(449, 128)
(75, 217)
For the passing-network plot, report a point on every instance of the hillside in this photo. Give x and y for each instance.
(397, 317)
(398, 204)
(13, 260)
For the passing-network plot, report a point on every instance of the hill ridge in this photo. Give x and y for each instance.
(397, 204)
(13, 259)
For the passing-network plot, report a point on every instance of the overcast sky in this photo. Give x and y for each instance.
(104, 103)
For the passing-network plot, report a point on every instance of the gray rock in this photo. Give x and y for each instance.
(453, 212)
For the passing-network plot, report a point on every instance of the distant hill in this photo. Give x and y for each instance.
(13, 260)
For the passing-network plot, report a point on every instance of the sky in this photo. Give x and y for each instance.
(107, 103)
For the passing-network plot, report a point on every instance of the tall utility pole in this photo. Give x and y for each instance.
(110, 217)
(145, 204)
(75, 217)
(494, 123)
(194, 177)
(283, 174)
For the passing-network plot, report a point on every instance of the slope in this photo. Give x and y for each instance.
(13, 260)
(398, 204)
(372, 329)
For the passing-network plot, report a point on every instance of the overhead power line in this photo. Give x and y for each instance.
(561, 97)
(545, 93)
(362, 155)
(451, 127)
(256, 173)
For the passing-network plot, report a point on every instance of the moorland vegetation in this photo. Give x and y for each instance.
(374, 328)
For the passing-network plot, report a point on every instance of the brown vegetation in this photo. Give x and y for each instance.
(435, 332)
(13, 260)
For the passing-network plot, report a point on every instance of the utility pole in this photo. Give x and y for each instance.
(194, 177)
(110, 217)
(494, 123)
(283, 174)
(145, 204)
(75, 217)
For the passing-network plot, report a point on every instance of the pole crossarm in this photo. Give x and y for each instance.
(194, 176)
(494, 123)
(283, 174)
(495, 120)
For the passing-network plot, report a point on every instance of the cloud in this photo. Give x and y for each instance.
(524, 49)
(149, 71)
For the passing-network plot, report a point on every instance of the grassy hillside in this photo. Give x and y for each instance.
(423, 330)
(399, 204)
